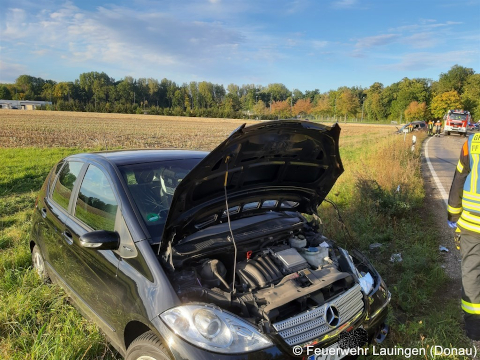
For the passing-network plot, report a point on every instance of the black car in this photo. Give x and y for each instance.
(193, 255)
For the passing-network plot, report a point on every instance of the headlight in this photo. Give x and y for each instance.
(213, 329)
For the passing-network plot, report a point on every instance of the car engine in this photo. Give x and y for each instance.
(274, 276)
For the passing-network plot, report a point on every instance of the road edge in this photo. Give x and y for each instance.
(434, 175)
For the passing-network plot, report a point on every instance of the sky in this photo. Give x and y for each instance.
(304, 44)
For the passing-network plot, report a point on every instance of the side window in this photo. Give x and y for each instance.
(96, 204)
(54, 173)
(65, 183)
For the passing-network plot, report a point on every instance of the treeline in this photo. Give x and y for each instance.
(407, 99)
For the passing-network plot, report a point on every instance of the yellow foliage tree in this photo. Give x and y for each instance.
(323, 106)
(303, 107)
(443, 102)
(415, 111)
(347, 103)
(282, 108)
(259, 108)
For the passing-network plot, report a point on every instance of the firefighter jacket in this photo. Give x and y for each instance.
(464, 199)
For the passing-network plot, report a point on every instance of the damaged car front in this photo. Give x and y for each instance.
(244, 252)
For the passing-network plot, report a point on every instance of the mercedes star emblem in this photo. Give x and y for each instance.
(332, 316)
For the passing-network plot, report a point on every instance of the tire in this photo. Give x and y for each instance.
(147, 347)
(39, 264)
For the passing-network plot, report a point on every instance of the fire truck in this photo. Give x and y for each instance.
(456, 121)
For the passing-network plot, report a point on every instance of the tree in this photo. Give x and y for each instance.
(279, 91)
(302, 107)
(29, 87)
(347, 103)
(5, 93)
(47, 91)
(178, 99)
(446, 101)
(282, 109)
(471, 95)
(205, 91)
(415, 111)
(62, 90)
(406, 91)
(454, 79)
(125, 90)
(373, 105)
(260, 108)
(322, 106)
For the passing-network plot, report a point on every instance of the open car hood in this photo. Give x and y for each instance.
(272, 166)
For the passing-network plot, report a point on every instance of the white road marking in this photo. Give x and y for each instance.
(434, 175)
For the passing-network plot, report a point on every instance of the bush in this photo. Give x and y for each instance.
(392, 203)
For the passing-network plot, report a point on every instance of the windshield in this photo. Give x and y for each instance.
(458, 117)
(152, 186)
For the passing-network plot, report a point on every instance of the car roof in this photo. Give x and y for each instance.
(125, 157)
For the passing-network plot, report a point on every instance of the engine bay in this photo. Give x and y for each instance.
(283, 266)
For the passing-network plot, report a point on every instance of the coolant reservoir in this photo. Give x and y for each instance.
(315, 256)
(298, 241)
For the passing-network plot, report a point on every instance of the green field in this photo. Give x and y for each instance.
(38, 322)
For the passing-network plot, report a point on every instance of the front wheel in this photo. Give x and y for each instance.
(147, 347)
(39, 263)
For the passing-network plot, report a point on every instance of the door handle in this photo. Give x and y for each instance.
(44, 212)
(68, 237)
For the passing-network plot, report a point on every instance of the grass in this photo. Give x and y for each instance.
(38, 322)
(381, 199)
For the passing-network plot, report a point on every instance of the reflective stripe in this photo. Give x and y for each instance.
(459, 167)
(453, 210)
(471, 196)
(473, 187)
(470, 308)
(470, 205)
(469, 226)
(471, 217)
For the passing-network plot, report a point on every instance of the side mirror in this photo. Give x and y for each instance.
(101, 240)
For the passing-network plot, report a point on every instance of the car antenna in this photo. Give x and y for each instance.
(229, 224)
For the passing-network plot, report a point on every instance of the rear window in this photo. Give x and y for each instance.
(65, 183)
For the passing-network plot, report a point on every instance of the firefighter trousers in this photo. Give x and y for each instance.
(470, 252)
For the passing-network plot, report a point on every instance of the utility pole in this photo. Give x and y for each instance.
(335, 110)
(363, 103)
(291, 104)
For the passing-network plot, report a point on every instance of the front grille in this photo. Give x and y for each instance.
(311, 324)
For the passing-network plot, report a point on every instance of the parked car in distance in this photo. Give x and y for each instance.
(191, 255)
(416, 126)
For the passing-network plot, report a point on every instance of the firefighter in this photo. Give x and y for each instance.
(410, 127)
(438, 127)
(430, 128)
(464, 214)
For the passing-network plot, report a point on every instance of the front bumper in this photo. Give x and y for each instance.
(371, 322)
(452, 129)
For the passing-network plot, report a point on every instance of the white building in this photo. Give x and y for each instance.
(22, 104)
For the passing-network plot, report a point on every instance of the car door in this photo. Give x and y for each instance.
(55, 213)
(93, 273)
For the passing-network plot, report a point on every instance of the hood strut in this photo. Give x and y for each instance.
(229, 225)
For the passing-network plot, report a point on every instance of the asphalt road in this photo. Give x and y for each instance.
(441, 159)
(442, 154)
